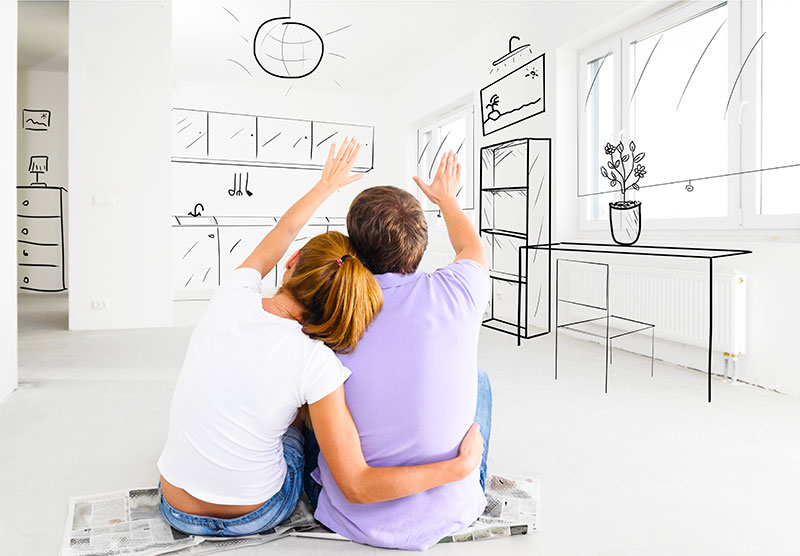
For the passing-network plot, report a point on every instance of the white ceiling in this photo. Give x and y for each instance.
(43, 31)
(384, 45)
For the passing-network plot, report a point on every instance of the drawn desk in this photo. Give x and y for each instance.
(649, 251)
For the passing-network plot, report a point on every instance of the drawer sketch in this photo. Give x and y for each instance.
(40, 238)
(207, 248)
(209, 137)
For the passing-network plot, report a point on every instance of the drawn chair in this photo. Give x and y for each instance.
(595, 299)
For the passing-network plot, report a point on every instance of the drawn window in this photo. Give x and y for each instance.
(451, 132)
(779, 192)
(677, 108)
(599, 109)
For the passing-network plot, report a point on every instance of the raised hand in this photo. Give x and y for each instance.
(338, 167)
(446, 182)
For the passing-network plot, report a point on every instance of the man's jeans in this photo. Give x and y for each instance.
(483, 416)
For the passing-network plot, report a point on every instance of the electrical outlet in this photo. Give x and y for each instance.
(99, 304)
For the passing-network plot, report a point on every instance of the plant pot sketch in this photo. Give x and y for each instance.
(624, 171)
(625, 218)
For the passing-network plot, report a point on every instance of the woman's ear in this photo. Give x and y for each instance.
(292, 260)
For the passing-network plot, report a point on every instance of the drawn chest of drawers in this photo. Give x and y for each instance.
(40, 238)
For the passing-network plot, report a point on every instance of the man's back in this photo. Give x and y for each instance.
(412, 394)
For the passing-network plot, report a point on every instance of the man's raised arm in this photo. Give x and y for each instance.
(442, 192)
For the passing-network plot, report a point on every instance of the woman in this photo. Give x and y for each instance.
(233, 461)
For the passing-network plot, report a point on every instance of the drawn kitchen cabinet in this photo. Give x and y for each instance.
(40, 238)
(325, 133)
(283, 141)
(189, 134)
(195, 247)
(238, 236)
(208, 137)
(231, 137)
(515, 211)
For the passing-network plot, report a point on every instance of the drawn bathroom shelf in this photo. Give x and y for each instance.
(224, 138)
(513, 216)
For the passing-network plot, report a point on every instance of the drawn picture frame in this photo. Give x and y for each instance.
(525, 101)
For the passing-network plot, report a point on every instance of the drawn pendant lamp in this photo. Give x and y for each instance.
(286, 48)
(624, 170)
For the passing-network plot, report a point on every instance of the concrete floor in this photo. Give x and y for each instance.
(651, 468)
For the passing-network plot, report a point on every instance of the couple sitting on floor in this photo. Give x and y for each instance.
(402, 462)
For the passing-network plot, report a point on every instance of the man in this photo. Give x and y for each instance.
(415, 385)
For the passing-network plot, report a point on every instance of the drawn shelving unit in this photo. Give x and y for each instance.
(206, 248)
(515, 212)
(224, 138)
(40, 238)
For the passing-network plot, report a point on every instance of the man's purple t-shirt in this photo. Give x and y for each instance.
(412, 394)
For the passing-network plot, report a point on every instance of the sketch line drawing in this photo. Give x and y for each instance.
(47, 249)
(306, 45)
(430, 171)
(234, 245)
(689, 180)
(738, 75)
(233, 139)
(190, 250)
(594, 79)
(231, 14)
(198, 210)
(236, 190)
(38, 165)
(714, 36)
(514, 97)
(35, 120)
(511, 51)
(338, 55)
(510, 214)
(339, 29)
(644, 68)
(328, 137)
(241, 65)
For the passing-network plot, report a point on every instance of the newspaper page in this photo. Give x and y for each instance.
(511, 509)
(130, 523)
(120, 523)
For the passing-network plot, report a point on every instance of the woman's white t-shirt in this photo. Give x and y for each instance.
(245, 374)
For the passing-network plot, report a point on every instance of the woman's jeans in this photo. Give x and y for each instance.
(272, 513)
(483, 416)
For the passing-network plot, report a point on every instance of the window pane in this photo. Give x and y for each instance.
(599, 107)
(679, 94)
(780, 118)
(434, 141)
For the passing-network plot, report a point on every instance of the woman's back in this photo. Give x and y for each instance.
(246, 372)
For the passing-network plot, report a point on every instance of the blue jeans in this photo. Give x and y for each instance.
(483, 416)
(272, 513)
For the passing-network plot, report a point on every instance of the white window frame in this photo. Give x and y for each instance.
(744, 24)
(466, 111)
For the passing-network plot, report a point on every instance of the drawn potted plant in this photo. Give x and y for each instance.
(624, 171)
(494, 113)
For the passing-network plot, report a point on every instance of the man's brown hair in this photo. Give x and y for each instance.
(388, 230)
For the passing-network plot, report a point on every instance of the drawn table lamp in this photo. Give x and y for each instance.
(38, 165)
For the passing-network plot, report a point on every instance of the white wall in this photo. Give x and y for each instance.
(119, 171)
(43, 90)
(8, 198)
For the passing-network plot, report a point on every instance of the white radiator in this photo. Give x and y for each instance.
(675, 301)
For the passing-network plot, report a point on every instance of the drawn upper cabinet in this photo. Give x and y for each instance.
(207, 137)
(189, 133)
(231, 137)
(325, 133)
(283, 142)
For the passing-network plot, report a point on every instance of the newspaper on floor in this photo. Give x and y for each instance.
(129, 522)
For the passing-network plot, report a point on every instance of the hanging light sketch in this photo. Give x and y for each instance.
(285, 48)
